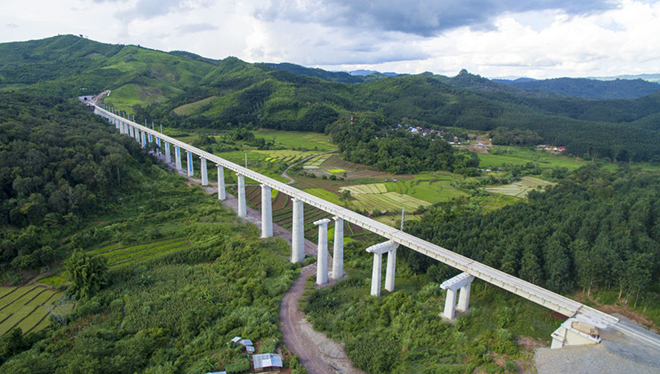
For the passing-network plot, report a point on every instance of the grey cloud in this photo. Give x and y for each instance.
(419, 17)
(12, 25)
(195, 27)
(148, 9)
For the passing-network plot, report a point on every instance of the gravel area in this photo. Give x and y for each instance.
(617, 353)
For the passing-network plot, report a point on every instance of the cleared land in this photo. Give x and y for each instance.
(297, 139)
(520, 189)
(24, 307)
(520, 156)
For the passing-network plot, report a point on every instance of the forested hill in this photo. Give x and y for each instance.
(595, 230)
(588, 88)
(183, 89)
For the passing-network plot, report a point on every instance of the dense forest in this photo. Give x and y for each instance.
(58, 165)
(72, 185)
(184, 90)
(366, 140)
(594, 230)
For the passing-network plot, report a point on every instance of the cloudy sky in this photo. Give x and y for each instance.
(493, 38)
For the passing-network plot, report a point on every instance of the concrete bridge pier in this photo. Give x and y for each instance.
(266, 212)
(144, 139)
(221, 183)
(136, 132)
(338, 250)
(168, 157)
(322, 252)
(205, 174)
(298, 232)
(177, 156)
(130, 130)
(191, 170)
(158, 144)
(378, 250)
(461, 283)
(242, 206)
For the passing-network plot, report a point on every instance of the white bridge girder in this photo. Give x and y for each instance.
(527, 290)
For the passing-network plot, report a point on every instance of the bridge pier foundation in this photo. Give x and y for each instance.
(298, 232)
(266, 212)
(221, 183)
(322, 252)
(191, 170)
(378, 250)
(242, 207)
(338, 250)
(177, 156)
(462, 284)
(205, 175)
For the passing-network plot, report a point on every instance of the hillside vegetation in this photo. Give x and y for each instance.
(185, 90)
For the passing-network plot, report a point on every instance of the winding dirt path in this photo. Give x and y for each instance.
(318, 353)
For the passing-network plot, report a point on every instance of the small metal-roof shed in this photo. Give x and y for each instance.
(267, 360)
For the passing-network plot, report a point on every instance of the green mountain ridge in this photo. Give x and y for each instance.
(186, 90)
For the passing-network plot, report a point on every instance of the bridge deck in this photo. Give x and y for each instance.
(496, 277)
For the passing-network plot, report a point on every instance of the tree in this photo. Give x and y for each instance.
(88, 274)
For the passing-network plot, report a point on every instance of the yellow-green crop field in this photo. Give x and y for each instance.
(119, 256)
(520, 189)
(315, 162)
(286, 156)
(24, 307)
(388, 201)
(374, 188)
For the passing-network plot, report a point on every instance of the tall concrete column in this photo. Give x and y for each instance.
(266, 212)
(375, 274)
(114, 122)
(191, 170)
(322, 252)
(460, 283)
(150, 139)
(130, 131)
(160, 151)
(137, 135)
(221, 183)
(242, 207)
(464, 298)
(168, 157)
(338, 250)
(389, 274)
(450, 304)
(177, 156)
(205, 175)
(144, 139)
(298, 232)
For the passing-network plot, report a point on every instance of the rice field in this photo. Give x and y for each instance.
(388, 201)
(520, 189)
(315, 162)
(119, 256)
(285, 156)
(24, 307)
(374, 188)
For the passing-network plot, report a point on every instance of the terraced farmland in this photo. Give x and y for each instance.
(520, 189)
(315, 162)
(374, 188)
(24, 307)
(119, 256)
(286, 156)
